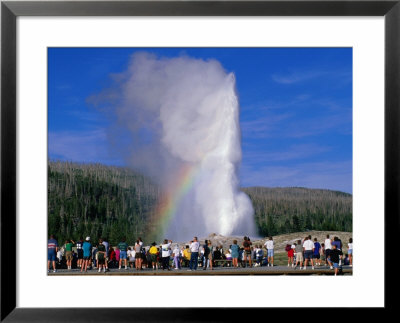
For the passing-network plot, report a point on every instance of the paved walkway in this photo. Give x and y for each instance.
(276, 270)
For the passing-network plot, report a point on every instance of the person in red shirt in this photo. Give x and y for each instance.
(290, 254)
(112, 257)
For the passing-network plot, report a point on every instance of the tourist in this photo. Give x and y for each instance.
(322, 253)
(94, 256)
(153, 254)
(217, 255)
(346, 261)
(181, 256)
(101, 256)
(165, 254)
(87, 248)
(308, 246)
(316, 254)
(52, 248)
(123, 248)
(293, 246)
(59, 257)
(235, 254)
(247, 251)
(117, 255)
(131, 256)
(259, 255)
(328, 248)
(228, 255)
(107, 245)
(175, 254)
(290, 254)
(335, 257)
(299, 254)
(206, 251)
(194, 250)
(254, 253)
(350, 251)
(241, 256)
(148, 258)
(210, 254)
(112, 257)
(186, 255)
(140, 241)
(269, 245)
(336, 242)
(341, 244)
(79, 251)
(138, 255)
(68, 252)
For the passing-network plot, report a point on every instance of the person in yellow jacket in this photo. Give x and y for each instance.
(186, 256)
(153, 255)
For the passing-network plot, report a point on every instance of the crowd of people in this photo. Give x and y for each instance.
(328, 253)
(87, 255)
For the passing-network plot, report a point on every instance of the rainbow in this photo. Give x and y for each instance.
(170, 200)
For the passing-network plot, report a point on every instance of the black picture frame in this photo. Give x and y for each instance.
(10, 10)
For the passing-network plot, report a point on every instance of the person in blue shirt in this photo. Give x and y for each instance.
(52, 248)
(316, 256)
(87, 250)
(336, 242)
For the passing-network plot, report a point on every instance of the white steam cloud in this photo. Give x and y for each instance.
(183, 113)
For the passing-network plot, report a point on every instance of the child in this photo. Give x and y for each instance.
(131, 256)
(59, 257)
(290, 254)
(335, 257)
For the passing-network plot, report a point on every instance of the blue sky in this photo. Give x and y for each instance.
(295, 110)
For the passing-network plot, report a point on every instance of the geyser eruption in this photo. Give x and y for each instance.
(183, 117)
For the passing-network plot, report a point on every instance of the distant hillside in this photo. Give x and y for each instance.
(296, 209)
(99, 200)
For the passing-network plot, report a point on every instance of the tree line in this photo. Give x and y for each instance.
(99, 201)
(116, 202)
(297, 209)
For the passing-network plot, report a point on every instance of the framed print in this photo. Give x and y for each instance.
(50, 43)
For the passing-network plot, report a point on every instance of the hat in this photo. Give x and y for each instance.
(87, 238)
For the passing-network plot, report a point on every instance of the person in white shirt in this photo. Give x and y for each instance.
(328, 248)
(269, 245)
(165, 254)
(59, 256)
(308, 247)
(176, 253)
(194, 255)
(350, 252)
(131, 256)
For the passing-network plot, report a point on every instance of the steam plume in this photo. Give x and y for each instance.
(184, 113)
